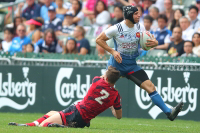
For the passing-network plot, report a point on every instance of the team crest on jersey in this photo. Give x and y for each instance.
(138, 34)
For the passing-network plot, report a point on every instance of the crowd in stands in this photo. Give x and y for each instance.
(38, 26)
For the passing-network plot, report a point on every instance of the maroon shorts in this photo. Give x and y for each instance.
(72, 118)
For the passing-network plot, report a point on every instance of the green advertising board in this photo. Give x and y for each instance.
(41, 89)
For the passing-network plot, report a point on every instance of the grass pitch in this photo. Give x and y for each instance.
(101, 125)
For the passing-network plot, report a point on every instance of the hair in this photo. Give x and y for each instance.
(15, 19)
(174, 21)
(194, 7)
(65, 50)
(184, 17)
(95, 9)
(81, 29)
(196, 33)
(163, 16)
(148, 17)
(177, 27)
(189, 42)
(9, 29)
(31, 45)
(171, 1)
(80, 7)
(40, 20)
(50, 31)
(112, 74)
(154, 7)
(140, 8)
(118, 5)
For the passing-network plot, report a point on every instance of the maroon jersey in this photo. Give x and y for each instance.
(99, 97)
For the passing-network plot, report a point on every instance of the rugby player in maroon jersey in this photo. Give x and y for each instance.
(101, 96)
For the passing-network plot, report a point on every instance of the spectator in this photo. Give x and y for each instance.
(118, 14)
(53, 22)
(188, 45)
(19, 42)
(193, 13)
(136, 2)
(60, 11)
(76, 11)
(32, 11)
(8, 35)
(198, 6)
(1, 48)
(35, 25)
(68, 4)
(141, 11)
(90, 7)
(68, 26)
(20, 8)
(70, 47)
(29, 48)
(17, 21)
(169, 12)
(101, 14)
(154, 12)
(177, 15)
(162, 31)
(146, 5)
(175, 48)
(185, 26)
(82, 43)
(148, 20)
(196, 41)
(100, 51)
(49, 44)
(160, 5)
(44, 9)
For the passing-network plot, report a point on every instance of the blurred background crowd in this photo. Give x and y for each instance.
(71, 26)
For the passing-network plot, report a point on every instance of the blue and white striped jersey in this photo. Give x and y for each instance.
(126, 39)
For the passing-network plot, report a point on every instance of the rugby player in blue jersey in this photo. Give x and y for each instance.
(126, 35)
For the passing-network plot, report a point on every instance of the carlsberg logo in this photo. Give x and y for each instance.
(169, 94)
(10, 89)
(66, 92)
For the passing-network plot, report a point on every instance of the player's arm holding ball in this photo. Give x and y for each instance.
(101, 41)
(152, 42)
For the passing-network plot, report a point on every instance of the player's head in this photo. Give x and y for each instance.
(112, 75)
(131, 13)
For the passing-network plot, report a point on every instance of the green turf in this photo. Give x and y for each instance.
(100, 125)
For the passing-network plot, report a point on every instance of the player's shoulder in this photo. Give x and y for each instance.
(95, 79)
(140, 27)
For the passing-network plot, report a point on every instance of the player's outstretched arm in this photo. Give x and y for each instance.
(116, 113)
(101, 41)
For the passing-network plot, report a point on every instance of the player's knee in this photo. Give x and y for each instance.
(50, 113)
(152, 87)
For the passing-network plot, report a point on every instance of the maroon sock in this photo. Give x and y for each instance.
(46, 124)
(38, 121)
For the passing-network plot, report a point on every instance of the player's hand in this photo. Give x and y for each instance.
(152, 42)
(117, 56)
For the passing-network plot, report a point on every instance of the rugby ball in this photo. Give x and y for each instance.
(143, 39)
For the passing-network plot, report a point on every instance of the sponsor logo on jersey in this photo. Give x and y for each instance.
(170, 94)
(67, 92)
(10, 89)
